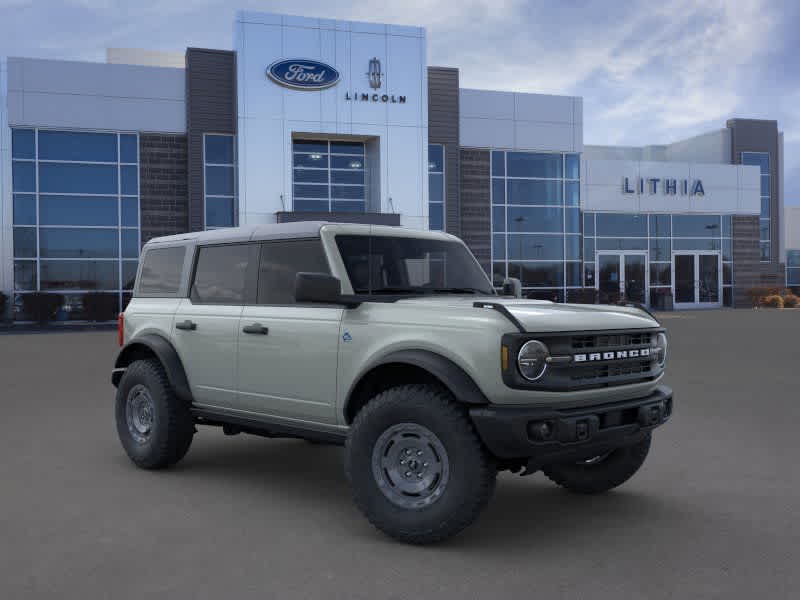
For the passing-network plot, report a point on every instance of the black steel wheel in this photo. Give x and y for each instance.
(417, 468)
(154, 426)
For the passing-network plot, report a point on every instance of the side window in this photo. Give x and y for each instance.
(281, 262)
(161, 271)
(221, 274)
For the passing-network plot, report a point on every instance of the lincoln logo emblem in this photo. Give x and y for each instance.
(374, 74)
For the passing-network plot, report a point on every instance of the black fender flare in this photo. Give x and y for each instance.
(453, 377)
(166, 354)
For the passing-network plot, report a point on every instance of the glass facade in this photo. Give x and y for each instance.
(793, 268)
(328, 176)
(436, 186)
(219, 169)
(536, 221)
(658, 235)
(75, 215)
(761, 160)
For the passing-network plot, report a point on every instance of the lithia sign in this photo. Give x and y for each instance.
(667, 186)
(306, 74)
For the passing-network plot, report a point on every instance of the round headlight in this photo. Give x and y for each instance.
(532, 360)
(661, 345)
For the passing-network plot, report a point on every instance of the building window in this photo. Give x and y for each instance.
(658, 235)
(219, 170)
(761, 160)
(436, 186)
(536, 224)
(76, 215)
(328, 176)
(793, 268)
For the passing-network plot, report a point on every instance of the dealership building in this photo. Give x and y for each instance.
(310, 119)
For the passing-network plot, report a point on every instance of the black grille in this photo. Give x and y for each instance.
(601, 372)
(605, 360)
(585, 342)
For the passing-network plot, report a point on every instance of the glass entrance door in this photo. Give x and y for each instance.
(622, 276)
(697, 279)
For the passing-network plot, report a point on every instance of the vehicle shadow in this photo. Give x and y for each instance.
(525, 512)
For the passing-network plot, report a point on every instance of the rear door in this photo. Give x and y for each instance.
(288, 351)
(205, 329)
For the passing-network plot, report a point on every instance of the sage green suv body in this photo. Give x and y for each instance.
(380, 337)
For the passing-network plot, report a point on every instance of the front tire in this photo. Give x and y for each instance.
(416, 467)
(602, 473)
(154, 426)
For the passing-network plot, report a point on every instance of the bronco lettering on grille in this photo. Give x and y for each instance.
(616, 355)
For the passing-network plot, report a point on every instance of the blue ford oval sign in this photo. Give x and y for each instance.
(303, 74)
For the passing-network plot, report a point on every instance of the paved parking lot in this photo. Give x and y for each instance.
(715, 513)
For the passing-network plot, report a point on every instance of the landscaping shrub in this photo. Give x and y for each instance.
(790, 301)
(41, 306)
(758, 295)
(99, 306)
(773, 301)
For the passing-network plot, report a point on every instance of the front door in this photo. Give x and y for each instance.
(288, 352)
(622, 276)
(697, 279)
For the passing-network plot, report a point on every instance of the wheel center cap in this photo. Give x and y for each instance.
(413, 464)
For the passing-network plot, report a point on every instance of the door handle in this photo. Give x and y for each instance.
(186, 325)
(256, 328)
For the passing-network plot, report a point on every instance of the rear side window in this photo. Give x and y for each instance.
(161, 271)
(281, 262)
(220, 276)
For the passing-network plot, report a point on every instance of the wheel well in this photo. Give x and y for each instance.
(133, 353)
(380, 379)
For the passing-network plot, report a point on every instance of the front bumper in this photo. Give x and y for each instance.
(549, 435)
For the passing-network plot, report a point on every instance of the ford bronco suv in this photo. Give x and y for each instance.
(395, 344)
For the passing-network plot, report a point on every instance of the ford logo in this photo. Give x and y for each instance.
(303, 74)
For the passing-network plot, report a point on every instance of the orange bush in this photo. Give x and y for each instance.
(790, 301)
(773, 301)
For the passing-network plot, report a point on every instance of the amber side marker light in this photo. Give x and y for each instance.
(504, 357)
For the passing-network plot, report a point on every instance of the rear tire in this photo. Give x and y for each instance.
(600, 474)
(416, 467)
(154, 426)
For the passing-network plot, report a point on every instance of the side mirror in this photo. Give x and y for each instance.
(317, 287)
(512, 287)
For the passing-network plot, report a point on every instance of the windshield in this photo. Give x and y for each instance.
(399, 265)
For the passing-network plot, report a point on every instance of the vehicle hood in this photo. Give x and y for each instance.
(546, 316)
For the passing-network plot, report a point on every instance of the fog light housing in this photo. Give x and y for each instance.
(532, 360)
(541, 430)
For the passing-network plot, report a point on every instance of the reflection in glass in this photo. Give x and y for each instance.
(79, 275)
(77, 210)
(25, 275)
(78, 243)
(531, 191)
(66, 178)
(78, 146)
(24, 209)
(219, 149)
(531, 164)
(23, 143)
(621, 225)
(535, 247)
(541, 274)
(535, 219)
(25, 242)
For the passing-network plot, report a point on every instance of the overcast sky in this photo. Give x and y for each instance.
(650, 72)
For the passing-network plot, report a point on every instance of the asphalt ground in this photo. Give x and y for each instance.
(714, 513)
